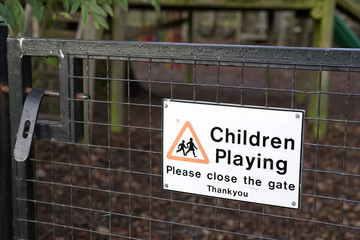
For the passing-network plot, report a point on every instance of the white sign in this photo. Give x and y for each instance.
(233, 152)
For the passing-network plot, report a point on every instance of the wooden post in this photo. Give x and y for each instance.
(350, 7)
(306, 26)
(323, 35)
(238, 29)
(89, 70)
(117, 87)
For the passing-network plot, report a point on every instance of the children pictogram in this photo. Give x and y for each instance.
(190, 150)
(191, 146)
(182, 147)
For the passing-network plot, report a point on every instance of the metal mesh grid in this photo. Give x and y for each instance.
(108, 185)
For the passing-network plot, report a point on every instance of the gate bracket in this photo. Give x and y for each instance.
(27, 124)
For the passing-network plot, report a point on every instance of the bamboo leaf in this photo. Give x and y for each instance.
(51, 61)
(65, 15)
(96, 25)
(102, 21)
(20, 16)
(108, 9)
(95, 8)
(156, 5)
(66, 5)
(84, 16)
(8, 16)
(38, 8)
(124, 5)
(74, 7)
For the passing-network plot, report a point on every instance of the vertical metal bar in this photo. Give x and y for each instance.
(76, 107)
(52, 188)
(344, 155)
(217, 100)
(242, 82)
(193, 217)
(267, 80)
(130, 155)
(172, 78)
(217, 80)
(150, 157)
(23, 187)
(6, 230)
(293, 86)
(25, 176)
(109, 152)
(287, 224)
(239, 221)
(75, 69)
(89, 142)
(263, 222)
(317, 153)
(171, 194)
(23, 173)
(193, 196)
(216, 217)
(194, 80)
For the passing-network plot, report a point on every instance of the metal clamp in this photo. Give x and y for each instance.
(27, 124)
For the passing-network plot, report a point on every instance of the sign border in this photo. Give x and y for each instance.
(164, 105)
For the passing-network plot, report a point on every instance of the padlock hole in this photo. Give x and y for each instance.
(26, 129)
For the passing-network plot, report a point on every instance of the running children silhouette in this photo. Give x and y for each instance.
(182, 147)
(191, 147)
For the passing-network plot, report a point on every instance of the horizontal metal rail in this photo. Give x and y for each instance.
(281, 57)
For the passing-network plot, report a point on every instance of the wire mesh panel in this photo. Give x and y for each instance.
(108, 183)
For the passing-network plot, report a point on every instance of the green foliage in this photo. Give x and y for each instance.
(51, 61)
(12, 12)
(38, 7)
(124, 4)
(156, 5)
(84, 16)
(65, 15)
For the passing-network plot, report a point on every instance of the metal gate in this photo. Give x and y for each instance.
(95, 172)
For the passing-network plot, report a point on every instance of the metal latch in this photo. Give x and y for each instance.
(27, 124)
(25, 134)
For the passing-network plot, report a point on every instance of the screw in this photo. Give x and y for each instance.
(166, 185)
(297, 115)
(293, 203)
(166, 105)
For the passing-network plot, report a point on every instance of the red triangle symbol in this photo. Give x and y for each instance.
(170, 155)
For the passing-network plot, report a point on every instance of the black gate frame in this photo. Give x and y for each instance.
(13, 172)
(6, 215)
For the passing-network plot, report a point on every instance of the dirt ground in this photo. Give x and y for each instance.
(111, 184)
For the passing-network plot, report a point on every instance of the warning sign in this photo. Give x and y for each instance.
(233, 152)
(185, 145)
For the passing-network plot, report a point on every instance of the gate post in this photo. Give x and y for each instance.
(6, 217)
